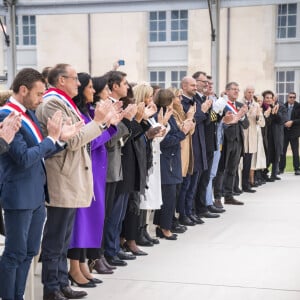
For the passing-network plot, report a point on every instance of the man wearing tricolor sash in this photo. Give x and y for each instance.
(232, 149)
(23, 181)
(69, 175)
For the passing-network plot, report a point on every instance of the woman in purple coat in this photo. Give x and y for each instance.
(88, 226)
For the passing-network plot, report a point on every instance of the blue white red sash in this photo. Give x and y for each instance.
(26, 120)
(231, 108)
(65, 98)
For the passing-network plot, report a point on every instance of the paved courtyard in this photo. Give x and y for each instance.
(251, 252)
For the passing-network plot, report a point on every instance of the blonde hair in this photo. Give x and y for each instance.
(142, 91)
(4, 95)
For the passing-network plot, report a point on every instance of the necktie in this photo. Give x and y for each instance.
(290, 111)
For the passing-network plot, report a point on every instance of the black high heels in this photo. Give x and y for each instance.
(160, 234)
(89, 284)
(94, 280)
(137, 253)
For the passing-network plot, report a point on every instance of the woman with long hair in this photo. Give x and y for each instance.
(89, 222)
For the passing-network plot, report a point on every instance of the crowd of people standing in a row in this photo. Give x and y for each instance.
(104, 154)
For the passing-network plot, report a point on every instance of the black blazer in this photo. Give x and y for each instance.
(234, 132)
(294, 131)
(198, 138)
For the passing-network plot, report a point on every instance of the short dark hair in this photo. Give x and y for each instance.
(164, 97)
(114, 77)
(230, 84)
(45, 72)
(266, 92)
(198, 73)
(27, 77)
(292, 93)
(56, 72)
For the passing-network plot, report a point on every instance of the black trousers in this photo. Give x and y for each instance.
(246, 170)
(295, 150)
(55, 244)
(163, 217)
(77, 254)
(228, 165)
(200, 195)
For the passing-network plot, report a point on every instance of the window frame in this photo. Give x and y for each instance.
(168, 75)
(282, 96)
(169, 30)
(286, 26)
(20, 35)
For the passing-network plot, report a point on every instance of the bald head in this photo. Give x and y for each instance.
(189, 86)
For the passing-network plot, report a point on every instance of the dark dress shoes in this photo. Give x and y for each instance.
(126, 256)
(275, 177)
(196, 219)
(185, 220)
(237, 192)
(218, 203)
(297, 172)
(233, 201)
(71, 294)
(249, 190)
(148, 237)
(116, 261)
(270, 179)
(56, 295)
(142, 240)
(213, 209)
(177, 227)
(208, 214)
(99, 266)
(107, 265)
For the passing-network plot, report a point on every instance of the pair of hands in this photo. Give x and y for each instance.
(106, 112)
(137, 111)
(206, 105)
(59, 130)
(145, 112)
(10, 126)
(231, 118)
(162, 120)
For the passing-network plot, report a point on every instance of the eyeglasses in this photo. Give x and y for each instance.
(204, 81)
(75, 78)
(235, 89)
(292, 97)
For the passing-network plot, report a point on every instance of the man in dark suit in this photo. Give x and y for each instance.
(201, 208)
(291, 133)
(232, 146)
(23, 182)
(189, 186)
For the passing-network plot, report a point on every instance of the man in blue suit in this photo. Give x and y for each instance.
(23, 182)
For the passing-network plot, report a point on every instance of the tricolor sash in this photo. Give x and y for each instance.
(231, 108)
(65, 98)
(25, 119)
